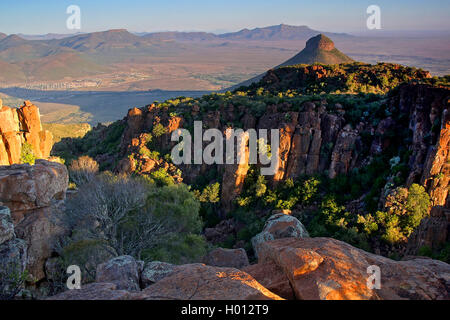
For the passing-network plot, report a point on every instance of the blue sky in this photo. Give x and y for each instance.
(49, 16)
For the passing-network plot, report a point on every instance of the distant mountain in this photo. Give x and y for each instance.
(10, 72)
(100, 40)
(319, 49)
(277, 33)
(48, 36)
(181, 36)
(272, 33)
(2, 36)
(11, 41)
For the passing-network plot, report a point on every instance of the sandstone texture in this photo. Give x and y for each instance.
(232, 258)
(19, 126)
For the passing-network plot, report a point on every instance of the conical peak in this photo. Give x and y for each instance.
(320, 42)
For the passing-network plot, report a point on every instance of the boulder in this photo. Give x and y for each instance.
(6, 225)
(40, 229)
(94, 291)
(271, 277)
(231, 258)
(201, 282)
(279, 225)
(25, 187)
(328, 269)
(155, 271)
(124, 271)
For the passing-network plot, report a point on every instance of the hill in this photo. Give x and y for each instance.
(118, 38)
(272, 33)
(319, 49)
(277, 33)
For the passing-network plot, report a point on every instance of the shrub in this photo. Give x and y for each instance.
(12, 280)
(158, 130)
(121, 215)
(27, 154)
(83, 170)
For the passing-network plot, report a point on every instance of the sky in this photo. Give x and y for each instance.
(49, 16)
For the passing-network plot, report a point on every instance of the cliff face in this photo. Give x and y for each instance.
(19, 126)
(320, 139)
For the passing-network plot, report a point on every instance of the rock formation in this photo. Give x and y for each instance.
(13, 251)
(34, 194)
(289, 268)
(279, 225)
(19, 126)
(230, 258)
(328, 269)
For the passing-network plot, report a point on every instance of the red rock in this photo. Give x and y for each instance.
(231, 258)
(328, 269)
(25, 187)
(200, 282)
(94, 291)
(271, 277)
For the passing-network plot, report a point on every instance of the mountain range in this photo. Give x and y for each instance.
(53, 56)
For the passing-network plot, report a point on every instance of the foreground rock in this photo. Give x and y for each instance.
(271, 277)
(41, 230)
(232, 258)
(24, 187)
(123, 271)
(94, 291)
(201, 282)
(187, 282)
(279, 225)
(34, 194)
(328, 269)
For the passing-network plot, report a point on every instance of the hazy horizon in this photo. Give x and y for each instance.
(179, 15)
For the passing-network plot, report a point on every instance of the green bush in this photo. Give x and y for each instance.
(27, 154)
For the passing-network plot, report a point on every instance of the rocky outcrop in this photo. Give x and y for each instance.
(234, 174)
(41, 230)
(13, 253)
(34, 194)
(328, 269)
(200, 282)
(24, 187)
(271, 277)
(279, 225)
(186, 282)
(123, 271)
(231, 258)
(289, 268)
(19, 126)
(95, 291)
(314, 137)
